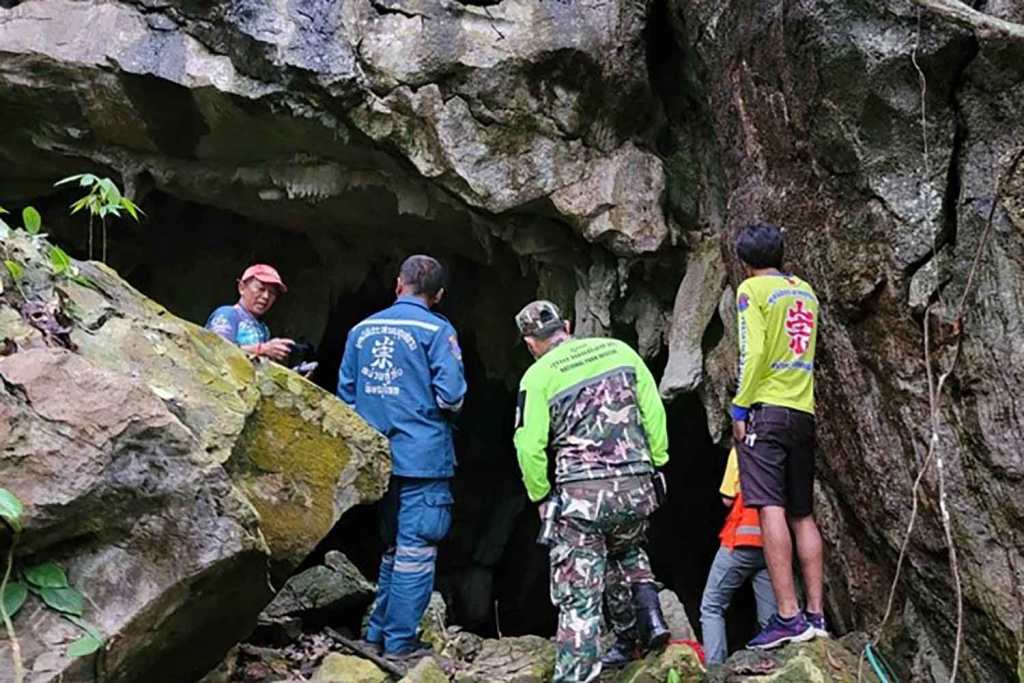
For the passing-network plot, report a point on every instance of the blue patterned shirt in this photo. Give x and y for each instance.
(238, 326)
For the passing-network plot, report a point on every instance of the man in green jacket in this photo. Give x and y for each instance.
(595, 404)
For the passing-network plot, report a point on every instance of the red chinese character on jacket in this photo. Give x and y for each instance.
(799, 326)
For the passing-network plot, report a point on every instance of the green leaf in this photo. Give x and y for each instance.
(85, 281)
(16, 270)
(32, 220)
(110, 190)
(46, 575)
(85, 645)
(673, 677)
(59, 260)
(11, 509)
(3, 210)
(79, 205)
(14, 597)
(69, 179)
(85, 625)
(132, 208)
(66, 600)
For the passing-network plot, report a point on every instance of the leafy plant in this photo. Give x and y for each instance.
(14, 267)
(12, 597)
(49, 582)
(11, 509)
(60, 263)
(102, 200)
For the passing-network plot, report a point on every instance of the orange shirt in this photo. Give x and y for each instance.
(743, 526)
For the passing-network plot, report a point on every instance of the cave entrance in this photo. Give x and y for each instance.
(492, 573)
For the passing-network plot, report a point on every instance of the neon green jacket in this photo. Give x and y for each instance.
(778, 329)
(596, 405)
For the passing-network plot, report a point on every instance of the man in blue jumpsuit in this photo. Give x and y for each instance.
(402, 372)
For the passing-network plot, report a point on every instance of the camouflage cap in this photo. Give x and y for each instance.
(538, 319)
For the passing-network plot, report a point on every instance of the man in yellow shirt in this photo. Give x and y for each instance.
(773, 425)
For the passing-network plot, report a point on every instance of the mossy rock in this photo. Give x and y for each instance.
(338, 668)
(427, 670)
(656, 667)
(821, 660)
(301, 461)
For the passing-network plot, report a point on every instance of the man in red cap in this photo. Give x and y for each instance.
(258, 289)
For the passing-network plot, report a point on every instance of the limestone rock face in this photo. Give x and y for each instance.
(696, 302)
(521, 102)
(149, 470)
(831, 146)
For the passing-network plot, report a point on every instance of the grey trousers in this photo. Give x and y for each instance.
(729, 571)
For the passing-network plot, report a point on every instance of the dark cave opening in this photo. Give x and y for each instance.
(493, 575)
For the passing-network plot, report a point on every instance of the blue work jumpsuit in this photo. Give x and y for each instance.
(402, 372)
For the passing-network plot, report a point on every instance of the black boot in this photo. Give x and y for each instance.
(654, 632)
(621, 653)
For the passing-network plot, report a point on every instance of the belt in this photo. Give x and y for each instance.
(770, 408)
(633, 481)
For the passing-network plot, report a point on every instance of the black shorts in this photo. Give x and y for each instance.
(778, 468)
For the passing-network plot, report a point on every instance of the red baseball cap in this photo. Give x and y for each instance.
(265, 274)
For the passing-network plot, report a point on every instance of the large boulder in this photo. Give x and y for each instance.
(165, 472)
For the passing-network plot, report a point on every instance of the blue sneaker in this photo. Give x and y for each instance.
(817, 622)
(780, 631)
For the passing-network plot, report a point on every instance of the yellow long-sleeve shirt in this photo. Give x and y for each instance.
(777, 327)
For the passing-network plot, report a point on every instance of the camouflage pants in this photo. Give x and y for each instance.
(597, 553)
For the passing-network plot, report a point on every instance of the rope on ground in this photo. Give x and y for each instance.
(935, 390)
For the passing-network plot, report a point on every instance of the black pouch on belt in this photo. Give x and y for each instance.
(660, 487)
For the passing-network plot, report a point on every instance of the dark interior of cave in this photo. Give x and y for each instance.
(492, 573)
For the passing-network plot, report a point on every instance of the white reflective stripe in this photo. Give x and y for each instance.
(416, 551)
(414, 567)
(398, 321)
(443, 405)
(749, 530)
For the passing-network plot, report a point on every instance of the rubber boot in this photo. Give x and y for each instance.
(654, 632)
(621, 653)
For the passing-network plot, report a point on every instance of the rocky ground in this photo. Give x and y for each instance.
(289, 647)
